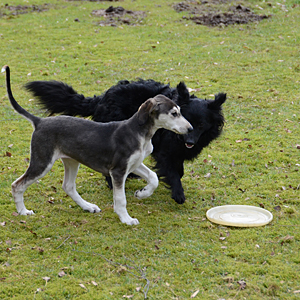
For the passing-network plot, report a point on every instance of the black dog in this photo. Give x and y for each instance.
(123, 100)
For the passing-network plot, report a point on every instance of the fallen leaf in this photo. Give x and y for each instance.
(122, 269)
(3, 223)
(277, 208)
(128, 296)
(61, 274)
(195, 294)
(8, 154)
(229, 279)
(207, 175)
(94, 283)
(287, 239)
(82, 285)
(242, 284)
(296, 292)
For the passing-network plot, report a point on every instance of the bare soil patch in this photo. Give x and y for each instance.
(11, 10)
(217, 13)
(114, 16)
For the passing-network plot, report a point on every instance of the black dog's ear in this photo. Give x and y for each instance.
(217, 103)
(183, 94)
(145, 110)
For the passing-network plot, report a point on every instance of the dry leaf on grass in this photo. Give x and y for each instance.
(195, 294)
(242, 284)
(61, 274)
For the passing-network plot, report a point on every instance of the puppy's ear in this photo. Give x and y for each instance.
(183, 94)
(145, 110)
(217, 103)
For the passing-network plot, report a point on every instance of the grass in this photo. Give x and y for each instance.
(174, 251)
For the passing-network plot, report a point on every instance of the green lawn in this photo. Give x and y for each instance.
(62, 252)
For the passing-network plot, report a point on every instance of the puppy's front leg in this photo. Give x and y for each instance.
(118, 183)
(151, 179)
(69, 185)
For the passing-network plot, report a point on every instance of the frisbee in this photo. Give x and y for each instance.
(239, 215)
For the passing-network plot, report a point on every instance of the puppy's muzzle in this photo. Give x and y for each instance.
(184, 129)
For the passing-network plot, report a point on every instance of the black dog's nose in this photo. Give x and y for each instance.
(190, 129)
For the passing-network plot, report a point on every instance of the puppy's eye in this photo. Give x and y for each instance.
(175, 114)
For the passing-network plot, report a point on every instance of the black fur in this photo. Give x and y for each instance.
(122, 101)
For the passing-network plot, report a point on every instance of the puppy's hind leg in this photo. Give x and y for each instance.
(69, 185)
(20, 185)
(151, 179)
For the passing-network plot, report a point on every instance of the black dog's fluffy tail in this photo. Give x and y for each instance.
(33, 119)
(60, 98)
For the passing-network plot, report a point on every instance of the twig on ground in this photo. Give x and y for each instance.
(63, 242)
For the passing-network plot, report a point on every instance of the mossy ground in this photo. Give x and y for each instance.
(174, 248)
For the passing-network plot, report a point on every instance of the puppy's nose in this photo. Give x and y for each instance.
(190, 129)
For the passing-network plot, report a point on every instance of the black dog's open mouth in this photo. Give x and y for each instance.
(189, 146)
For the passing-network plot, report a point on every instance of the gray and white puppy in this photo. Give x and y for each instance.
(115, 149)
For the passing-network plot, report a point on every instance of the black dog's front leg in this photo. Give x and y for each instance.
(109, 182)
(171, 173)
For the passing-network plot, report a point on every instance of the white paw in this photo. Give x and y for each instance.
(132, 221)
(26, 212)
(92, 208)
(129, 221)
(143, 193)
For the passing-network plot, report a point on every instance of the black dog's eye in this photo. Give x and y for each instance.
(175, 114)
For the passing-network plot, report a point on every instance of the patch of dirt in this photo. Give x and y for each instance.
(217, 12)
(10, 10)
(114, 16)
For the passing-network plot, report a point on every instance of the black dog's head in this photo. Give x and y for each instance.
(204, 115)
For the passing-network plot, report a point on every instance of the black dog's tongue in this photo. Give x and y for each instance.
(189, 146)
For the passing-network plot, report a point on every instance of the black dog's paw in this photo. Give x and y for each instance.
(179, 197)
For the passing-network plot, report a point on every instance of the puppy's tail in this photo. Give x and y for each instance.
(33, 119)
(59, 98)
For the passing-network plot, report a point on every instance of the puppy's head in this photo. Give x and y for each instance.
(165, 114)
(145, 111)
(154, 107)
